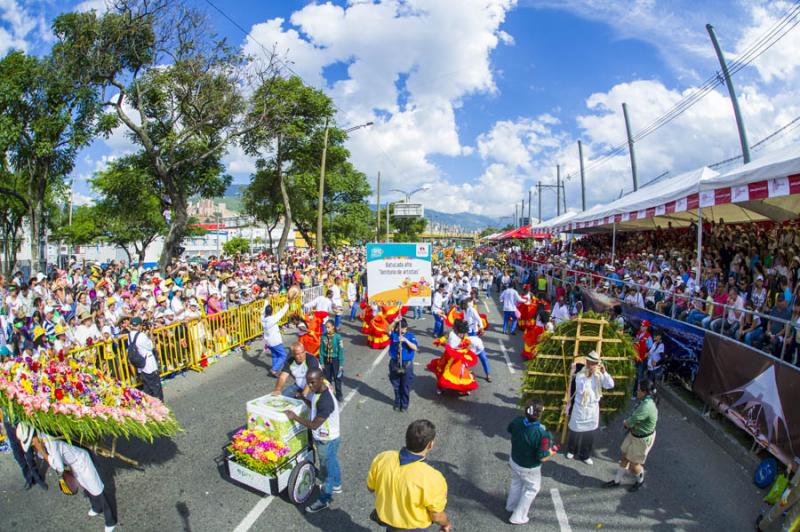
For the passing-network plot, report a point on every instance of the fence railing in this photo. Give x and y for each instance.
(592, 280)
(188, 344)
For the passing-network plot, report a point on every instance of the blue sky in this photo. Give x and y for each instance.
(482, 98)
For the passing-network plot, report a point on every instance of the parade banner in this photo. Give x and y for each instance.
(399, 274)
(757, 392)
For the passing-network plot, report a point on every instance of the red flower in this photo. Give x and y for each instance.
(35, 366)
(79, 387)
(59, 394)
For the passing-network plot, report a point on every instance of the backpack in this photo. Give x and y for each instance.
(134, 356)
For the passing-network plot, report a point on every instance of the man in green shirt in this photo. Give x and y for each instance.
(641, 425)
(331, 354)
(530, 446)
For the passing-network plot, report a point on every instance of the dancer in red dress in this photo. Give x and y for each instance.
(452, 368)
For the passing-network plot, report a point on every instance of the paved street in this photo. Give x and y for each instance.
(691, 483)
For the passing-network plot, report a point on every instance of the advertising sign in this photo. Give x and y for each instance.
(399, 274)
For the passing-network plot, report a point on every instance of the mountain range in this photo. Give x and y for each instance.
(465, 220)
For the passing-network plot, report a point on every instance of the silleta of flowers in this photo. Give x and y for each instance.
(257, 452)
(69, 398)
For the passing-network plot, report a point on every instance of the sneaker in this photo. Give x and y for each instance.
(488, 378)
(337, 489)
(635, 486)
(588, 461)
(611, 484)
(570, 456)
(92, 513)
(317, 507)
(109, 528)
(438, 392)
(525, 522)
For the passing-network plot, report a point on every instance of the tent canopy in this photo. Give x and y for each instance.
(762, 190)
(557, 224)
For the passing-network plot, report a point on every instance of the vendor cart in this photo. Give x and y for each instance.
(297, 475)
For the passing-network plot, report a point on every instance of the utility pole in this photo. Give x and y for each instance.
(558, 190)
(583, 177)
(564, 195)
(732, 94)
(321, 190)
(516, 215)
(630, 146)
(530, 222)
(378, 212)
(387, 221)
(522, 213)
(539, 192)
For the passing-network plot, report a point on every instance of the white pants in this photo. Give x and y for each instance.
(525, 484)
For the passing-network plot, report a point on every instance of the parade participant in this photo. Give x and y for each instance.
(584, 418)
(337, 301)
(352, 296)
(61, 455)
(409, 493)
(272, 336)
(323, 420)
(509, 298)
(642, 342)
(402, 349)
(531, 336)
(367, 313)
(451, 368)
(309, 333)
(331, 354)
(23, 455)
(437, 309)
(298, 368)
(530, 447)
(148, 372)
(641, 427)
(323, 305)
(475, 329)
(560, 311)
(654, 356)
(379, 332)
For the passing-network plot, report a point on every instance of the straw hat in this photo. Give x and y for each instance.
(592, 356)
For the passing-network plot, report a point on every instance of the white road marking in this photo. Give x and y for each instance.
(561, 514)
(253, 515)
(505, 355)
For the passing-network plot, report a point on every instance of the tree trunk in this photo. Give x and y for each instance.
(142, 252)
(177, 229)
(270, 228)
(128, 253)
(287, 209)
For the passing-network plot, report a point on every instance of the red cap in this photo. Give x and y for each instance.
(645, 323)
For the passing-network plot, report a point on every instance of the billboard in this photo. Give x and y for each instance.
(399, 274)
(408, 210)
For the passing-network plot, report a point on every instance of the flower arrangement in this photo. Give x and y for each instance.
(257, 452)
(75, 400)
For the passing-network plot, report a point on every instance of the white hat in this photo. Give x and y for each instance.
(592, 356)
(40, 277)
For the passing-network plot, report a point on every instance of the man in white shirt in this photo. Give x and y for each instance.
(272, 337)
(509, 298)
(151, 380)
(560, 311)
(437, 309)
(336, 300)
(323, 304)
(654, 356)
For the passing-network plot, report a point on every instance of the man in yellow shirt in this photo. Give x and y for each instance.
(409, 494)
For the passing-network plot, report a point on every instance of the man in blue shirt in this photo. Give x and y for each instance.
(402, 347)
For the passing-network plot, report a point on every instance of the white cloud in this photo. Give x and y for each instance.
(409, 66)
(781, 61)
(101, 6)
(238, 162)
(19, 26)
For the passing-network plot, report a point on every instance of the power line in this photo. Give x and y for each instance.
(775, 33)
(789, 126)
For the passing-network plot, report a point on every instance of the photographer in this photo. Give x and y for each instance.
(402, 347)
(145, 363)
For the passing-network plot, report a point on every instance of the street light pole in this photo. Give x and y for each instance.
(322, 181)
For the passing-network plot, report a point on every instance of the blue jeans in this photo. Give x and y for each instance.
(417, 312)
(509, 315)
(353, 309)
(438, 325)
(695, 317)
(291, 391)
(482, 357)
(329, 463)
(753, 336)
(337, 321)
(641, 372)
(402, 385)
(278, 357)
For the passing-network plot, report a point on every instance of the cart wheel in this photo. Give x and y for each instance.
(301, 482)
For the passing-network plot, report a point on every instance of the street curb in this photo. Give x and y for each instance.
(712, 429)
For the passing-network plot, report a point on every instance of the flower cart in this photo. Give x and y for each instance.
(273, 453)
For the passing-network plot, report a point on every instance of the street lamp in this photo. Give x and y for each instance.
(408, 195)
(322, 181)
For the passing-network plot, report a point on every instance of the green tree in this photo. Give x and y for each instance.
(86, 227)
(406, 229)
(13, 208)
(488, 231)
(236, 246)
(286, 118)
(175, 86)
(46, 117)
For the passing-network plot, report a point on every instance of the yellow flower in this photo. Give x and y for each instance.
(271, 456)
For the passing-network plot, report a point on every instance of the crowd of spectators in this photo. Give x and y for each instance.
(748, 287)
(85, 303)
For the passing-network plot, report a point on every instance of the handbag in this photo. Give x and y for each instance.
(397, 367)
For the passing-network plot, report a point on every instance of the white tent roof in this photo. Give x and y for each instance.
(766, 188)
(636, 204)
(556, 224)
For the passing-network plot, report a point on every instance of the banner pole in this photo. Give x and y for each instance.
(699, 245)
(613, 242)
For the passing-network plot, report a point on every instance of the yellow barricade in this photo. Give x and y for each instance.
(188, 344)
